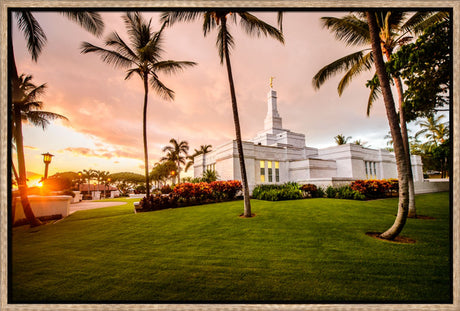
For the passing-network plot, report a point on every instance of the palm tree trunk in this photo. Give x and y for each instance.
(405, 137)
(402, 121)
(144, 133)
(22, 181)
(401, 160)
(247, 202)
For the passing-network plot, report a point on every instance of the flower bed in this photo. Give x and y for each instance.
(376, 188)
(187, 194)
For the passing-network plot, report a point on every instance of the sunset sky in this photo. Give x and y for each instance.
(104, 130)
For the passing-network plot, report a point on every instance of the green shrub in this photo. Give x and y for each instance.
(331, 192)
(346, 192)
(287, 191)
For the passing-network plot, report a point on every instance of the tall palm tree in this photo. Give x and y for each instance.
(253, 26)
(401, 159)
(341, 139)
(26, 107)
(177, 152)
(144, 58)
(395, 28)
(36, 39)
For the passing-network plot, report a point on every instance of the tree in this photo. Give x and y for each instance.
(341, 140)
(177, 153)
(36, 39)
(162, 171)
(400, 156)
(253, 26)
(144, 58)
(126, 180)
(394, 28)
(425, 68)
(204, 149)
(25, 106)
(435, 132)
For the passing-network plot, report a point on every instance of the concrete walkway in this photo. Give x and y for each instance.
(84, 205)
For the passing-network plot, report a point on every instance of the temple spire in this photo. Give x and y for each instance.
(273, 119)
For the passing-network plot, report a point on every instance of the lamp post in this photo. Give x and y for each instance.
(47, 160)
(173, 175)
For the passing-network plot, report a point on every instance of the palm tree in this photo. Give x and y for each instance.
(175, 153)
(401, 159)
(36, 39)
(144, 58)
(341, 140)
(204, 149)
(394, 30)
(435, 131)
(253, 26)
(26, 107)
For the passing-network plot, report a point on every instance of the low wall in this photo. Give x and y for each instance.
(137, 196)
(431, 185)
(44, 206)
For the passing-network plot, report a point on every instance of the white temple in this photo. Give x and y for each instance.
(277, 155)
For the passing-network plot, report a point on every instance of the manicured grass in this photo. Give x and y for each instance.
(304, 251)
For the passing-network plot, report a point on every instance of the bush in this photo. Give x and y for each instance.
(375, 188)
(287, 191)
(186, 194)
(346, 192)
(331, 192)
(166, 189)
(312, 191)
(156, 202)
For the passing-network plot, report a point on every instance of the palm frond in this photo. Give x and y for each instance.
(34, 34)
(130, 72)
(161, 89)
(362, 63)
(342, 64)
(89, 20)
(436, 17)
(171, 66)
(209, 22)
(42, 118)
(108, 56)
(114, 40)
(412, 23)
(254, 26)
(374, 93)
(224, 42)
(349, 29)
(280, 16)
(172, 17)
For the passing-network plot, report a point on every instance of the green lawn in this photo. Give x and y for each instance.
(305, 251)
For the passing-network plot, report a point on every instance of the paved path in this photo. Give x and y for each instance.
(84, 205)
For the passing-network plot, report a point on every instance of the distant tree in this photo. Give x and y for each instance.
(25, 106)
(435, 131)
(162, 171)
(125, 181)
(144, 58)
(61, 181)
(209, 176)
(253, 26)
(341, 139)
(177, 153)
(204, 149)
(361, 143)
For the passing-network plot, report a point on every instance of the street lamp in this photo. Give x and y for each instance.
(47, 160)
